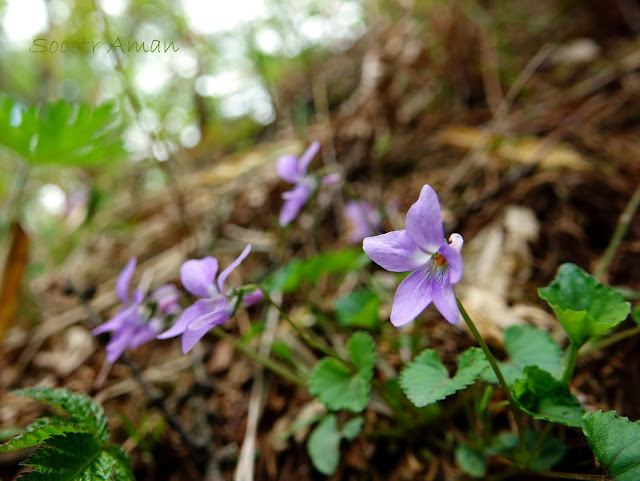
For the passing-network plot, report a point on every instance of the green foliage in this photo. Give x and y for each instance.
(615, 442)
(86, 415)
(73, 447)
(508, 445)
(358, 309)
(635, 314)
(289, 277)
(527, 346)
(585, 307)
(60, 132)
(544, 397)
(426, 380)
(339, 387)
(323, 444)
(472, 462)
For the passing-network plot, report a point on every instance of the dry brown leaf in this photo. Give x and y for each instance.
(17, 256)
(520, 150)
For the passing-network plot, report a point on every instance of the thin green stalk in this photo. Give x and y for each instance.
(569, 363)
(608, 341)
(496, 369)
(301, 332)
(621, 229)
(277, 368)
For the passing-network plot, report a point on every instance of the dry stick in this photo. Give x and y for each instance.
(152, 395)
(244, 468)
(621, 229)
(137, 108)
(497, 120)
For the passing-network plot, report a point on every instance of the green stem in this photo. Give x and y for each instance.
(277, 368)
(608, 341)
(496, 369)
(621, 228)
(569, 363)
(301, 332)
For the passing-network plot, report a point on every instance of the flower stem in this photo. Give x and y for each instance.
(496, 369)
(270, 364)
(301, 332)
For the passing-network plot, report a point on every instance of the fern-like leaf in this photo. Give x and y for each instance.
(38, 432)
(84, 414)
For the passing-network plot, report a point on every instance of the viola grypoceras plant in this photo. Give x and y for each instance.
(362, 220)
(421, 247)
(198, 276)
(294, 170)
(138, 322)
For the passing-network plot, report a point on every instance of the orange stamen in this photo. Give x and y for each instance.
(440, 260)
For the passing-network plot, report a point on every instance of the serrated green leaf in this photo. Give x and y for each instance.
(528, 346)
(615, 442)
(508, 445)
(358, 309)
(362, 350)
(38, 432)
(352, 428)
(336, 386)
(60, 132)
(323, 445)
(471, 462)
(585, 307)
(426, 380)
(544, 397)
(120, 463)
(84, 413)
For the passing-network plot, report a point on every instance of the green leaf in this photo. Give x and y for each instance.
(426, 380)
(508, 445)
(585, 307)
(528, 346)
(471, 461)
(352, 428)
(358, 309)
(635, 315)
(544, 397)
(615, 442)
(338, 387)
(84, 413)
(38, 432)
(60, 132)
(323, 445)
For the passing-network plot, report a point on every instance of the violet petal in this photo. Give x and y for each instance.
(287, 168)
(250, 298)
(198, 274)
(124, 279)
(445, 300)
(307, 157)
(192, 335)
(191, 313)
(222, 278)
(395, 251)
(412, 296)
(424, 221)
(294, 200)
(454, 261)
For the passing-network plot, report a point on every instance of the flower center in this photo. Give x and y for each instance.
(440, 260)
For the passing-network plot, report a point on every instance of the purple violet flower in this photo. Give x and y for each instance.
(199, 278)
(421, 248)
(362, 220)
(294, 170)
(131, 326)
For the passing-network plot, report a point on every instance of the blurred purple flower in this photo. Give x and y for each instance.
(199, 278)
(294, 170)
(362, 220)
(421, 248)
(131, 326)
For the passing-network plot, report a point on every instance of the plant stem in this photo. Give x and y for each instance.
(570, 363)
(608, 341)
(301, 332)
(621, 228)
(496, 369)
(559, 475)
(270, 364)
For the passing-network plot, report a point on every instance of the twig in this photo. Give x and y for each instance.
(621, 229)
